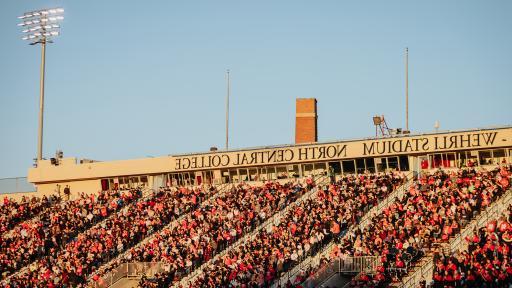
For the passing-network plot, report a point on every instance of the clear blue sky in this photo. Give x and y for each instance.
(128, 79)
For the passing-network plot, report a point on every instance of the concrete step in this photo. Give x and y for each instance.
(126, 283)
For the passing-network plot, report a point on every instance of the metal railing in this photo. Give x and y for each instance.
(273, 220)
(108, 276)
(313, 261)
(95, 224)
(366, 264)
(492, 212)
(16, 185)
(130, 270)
(376, 210)
(120, 272)
(146, 194)
(423, 273)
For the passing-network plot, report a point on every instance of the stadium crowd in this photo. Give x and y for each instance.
(80, 256)
(50, 231)
(13, 212)
(301, 232)
(63, 248)
(485, 263)
(434, 209)
(213, 227)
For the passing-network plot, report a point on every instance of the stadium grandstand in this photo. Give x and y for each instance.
(404, 210)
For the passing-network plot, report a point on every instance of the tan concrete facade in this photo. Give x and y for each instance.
(86, 177)
(306, 130)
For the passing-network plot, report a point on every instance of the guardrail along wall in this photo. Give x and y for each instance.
(16, 185)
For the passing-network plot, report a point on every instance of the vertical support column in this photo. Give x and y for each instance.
(41, 103)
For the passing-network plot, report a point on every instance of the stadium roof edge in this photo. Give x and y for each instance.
(345, 140)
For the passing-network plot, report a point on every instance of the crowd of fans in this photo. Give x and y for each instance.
(301, 232)
(13, 212)
(48, 233)
(64, 248)
(485, 263)
(214, 226)
(434, 209)
(70, 266)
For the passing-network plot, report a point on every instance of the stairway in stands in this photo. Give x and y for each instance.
(423, 269)
(146, 194)
(221, 190)
(112, 278)
(314, 260)
(321, 181)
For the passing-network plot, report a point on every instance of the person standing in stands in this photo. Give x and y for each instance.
(57, 190)
(331, 174)
(67, 192)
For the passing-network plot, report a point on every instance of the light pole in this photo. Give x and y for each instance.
(39, 28)
(227, 110)
(407, 90)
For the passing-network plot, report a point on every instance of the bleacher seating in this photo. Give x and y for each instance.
(485, 263)
(83, 254)
(186, 228)
(214, 226)
(13, 212)
(31, 240)
(432, 211)
(302, 231)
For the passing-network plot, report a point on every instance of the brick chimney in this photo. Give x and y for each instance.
(305, 120)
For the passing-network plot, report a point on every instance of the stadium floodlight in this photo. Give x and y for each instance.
(39, 27)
